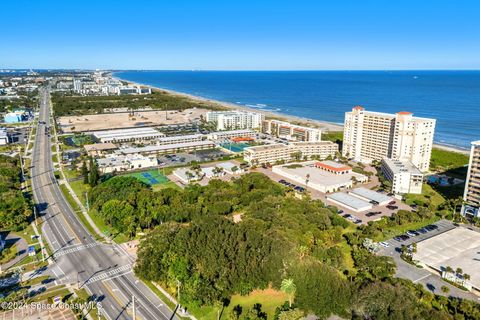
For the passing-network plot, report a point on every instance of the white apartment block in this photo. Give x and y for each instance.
(369, 136)
(292, 132)
(180, 139)
(404, 176)
(471, 195)
(234, 120)
(132, 90)
(224, 135)
(283, 152)
(128, 135)
(118, 162)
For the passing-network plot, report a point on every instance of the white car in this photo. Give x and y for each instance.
(384, 244)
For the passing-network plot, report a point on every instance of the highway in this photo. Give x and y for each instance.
(104, 270)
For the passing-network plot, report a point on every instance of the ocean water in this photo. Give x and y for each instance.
(451, 97)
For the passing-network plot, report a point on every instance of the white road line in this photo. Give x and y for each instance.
(425, 276)
(109, 274)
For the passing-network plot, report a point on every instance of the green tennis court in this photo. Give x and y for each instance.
(151, 177)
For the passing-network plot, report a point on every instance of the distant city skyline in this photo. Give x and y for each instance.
(241, 35)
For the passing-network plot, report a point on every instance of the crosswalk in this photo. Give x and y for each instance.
(74, 249)
(106, 275)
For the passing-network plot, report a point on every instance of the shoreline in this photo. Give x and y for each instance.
(325, 126)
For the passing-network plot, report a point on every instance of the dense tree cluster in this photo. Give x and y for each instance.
(75, 105)
(15, 209)
(298, 246)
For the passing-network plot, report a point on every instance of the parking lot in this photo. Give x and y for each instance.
(371, 215)
(432, 282)
(182, 158)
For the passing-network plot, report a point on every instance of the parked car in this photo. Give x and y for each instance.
(422, 230)
(392, 202)
(412, 233)
(384, 244)
(431, 227)
(340, 211)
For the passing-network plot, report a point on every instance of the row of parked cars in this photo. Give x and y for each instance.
(352, 218)
(291, 185)
(413, 233)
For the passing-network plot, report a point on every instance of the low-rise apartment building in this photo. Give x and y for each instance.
(234, 120)
(471, 195)
(169, 148)
(292, 132)
(225, 135)
(128, 135)
(286, 152)
(119, 162)
(372, 136)
(404, 176)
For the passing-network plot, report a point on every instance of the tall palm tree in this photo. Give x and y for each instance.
(289, 287)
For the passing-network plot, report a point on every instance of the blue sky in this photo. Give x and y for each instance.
(241, 34)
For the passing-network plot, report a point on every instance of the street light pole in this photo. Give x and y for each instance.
(86, 197)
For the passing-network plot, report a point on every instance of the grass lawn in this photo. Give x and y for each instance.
(8, 253)
(270, 299)
(169, 184)
(70, 173)
(428, 195)
(398, 230)
(55, 158)
(333, 136)
(83, 295)
(80, 189)
(443, 160)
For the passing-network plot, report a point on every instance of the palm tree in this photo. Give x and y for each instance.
(307, 179)
(466, 276)
(458, 271)
(289, 287)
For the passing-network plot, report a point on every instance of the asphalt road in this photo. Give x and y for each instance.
(105, 271)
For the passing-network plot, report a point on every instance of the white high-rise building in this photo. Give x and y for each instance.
(472, 185)
(235, 120)
(369, 136)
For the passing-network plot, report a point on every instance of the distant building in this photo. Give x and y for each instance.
(3, 136)
(471, 195)
(16, 116)
(372, 136)
(282, 152)
(180, 139)
(292, 132)
(404, 176)
(128, 135)
(224, 135)
(117, 162)
(132, 90)
(234, 120)
(169, 148)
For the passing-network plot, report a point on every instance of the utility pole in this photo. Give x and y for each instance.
(133, 306)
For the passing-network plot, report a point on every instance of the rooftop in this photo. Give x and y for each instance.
(127, 133)
(349, 200)
(154, 148)
(459, 247)
(370, 194)
(398, 166)
(99, 146)
(332, 165)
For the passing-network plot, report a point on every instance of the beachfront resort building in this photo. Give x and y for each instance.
(226, 135)
(235, 120)
(372, 136)
(128, 135)
(119, 162)
(404, 176)
(472, 186)
(291, 132)
(273, 153)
